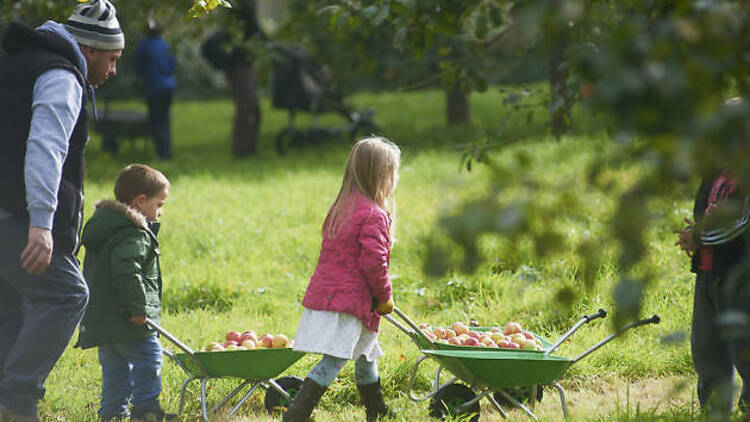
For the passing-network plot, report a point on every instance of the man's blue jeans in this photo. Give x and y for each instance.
(130, 369)
(38, 315)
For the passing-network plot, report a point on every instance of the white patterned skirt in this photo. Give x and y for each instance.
(336, 334)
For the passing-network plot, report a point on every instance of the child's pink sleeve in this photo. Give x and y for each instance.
(374, 255)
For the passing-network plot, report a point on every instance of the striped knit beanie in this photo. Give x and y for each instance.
(94, 24)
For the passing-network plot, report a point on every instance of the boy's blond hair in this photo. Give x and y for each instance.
(139, 179)
(372, 170)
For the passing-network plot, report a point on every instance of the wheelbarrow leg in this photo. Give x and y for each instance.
(532, 401)
(436, 381)
(243, 399)
(182, 394)
(518, 404)
(204, 413)
(564, 405)
(230, 395)
(497, 406)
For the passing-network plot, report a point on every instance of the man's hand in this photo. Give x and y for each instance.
(685, 238)
(137, 319)
(386, 308)
(37, 254)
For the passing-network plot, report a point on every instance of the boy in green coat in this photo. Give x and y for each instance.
(121, 268)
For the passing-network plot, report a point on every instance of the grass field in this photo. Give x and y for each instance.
(240, 239)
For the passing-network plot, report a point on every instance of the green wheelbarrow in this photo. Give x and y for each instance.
(253, 368)
(507, 376)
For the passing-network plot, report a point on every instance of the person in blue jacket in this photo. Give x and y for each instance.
(155, 65)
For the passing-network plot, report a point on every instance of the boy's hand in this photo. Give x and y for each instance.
(137, 319)
(685, 238)
(386, 308)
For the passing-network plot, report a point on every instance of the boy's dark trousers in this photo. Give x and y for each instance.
(719, 348)
(38, 315)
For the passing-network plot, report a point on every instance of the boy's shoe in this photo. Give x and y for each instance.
(8, 415)
(154, 415)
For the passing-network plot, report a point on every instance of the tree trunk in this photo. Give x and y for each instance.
(560, 102)
(457, 105)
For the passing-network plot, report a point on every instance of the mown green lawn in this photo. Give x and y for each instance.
(240, 239)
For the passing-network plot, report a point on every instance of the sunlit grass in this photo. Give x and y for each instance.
(240, 239)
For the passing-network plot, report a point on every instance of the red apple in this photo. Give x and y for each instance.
(474, 334)
(233, 336)
(512, 327)
(279, 341)
(505, 344)
(266, 340)
(454, 340)
(439, 332)
(471, 341)
(528, 335)
(460, 328)
(249, 335)
(230, 343)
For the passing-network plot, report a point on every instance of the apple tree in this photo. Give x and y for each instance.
(659, 75)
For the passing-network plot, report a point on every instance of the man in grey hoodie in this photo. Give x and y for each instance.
(46, 78)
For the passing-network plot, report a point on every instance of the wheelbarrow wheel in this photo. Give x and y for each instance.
(448, 400)
(521, 394)
(274, 401)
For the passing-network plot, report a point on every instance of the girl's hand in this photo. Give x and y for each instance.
(386, 308)
(137, 319)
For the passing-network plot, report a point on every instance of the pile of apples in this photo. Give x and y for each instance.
(512, 336)
(248, 340)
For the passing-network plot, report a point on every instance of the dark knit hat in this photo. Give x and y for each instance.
(94, 24)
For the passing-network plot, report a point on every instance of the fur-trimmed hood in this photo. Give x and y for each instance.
(110, 217)
(129, 212)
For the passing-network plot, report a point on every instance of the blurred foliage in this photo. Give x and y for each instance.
(658, 72)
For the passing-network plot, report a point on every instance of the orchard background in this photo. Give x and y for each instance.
(240, 240)
(550, 148)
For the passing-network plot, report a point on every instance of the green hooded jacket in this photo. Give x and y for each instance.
(121, 268)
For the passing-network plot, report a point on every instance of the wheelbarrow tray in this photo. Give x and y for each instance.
(245, 364)
(501, 368)
(423, 344)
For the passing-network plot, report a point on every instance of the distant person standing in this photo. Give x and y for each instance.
(237, 64)
(155, 65)
(46, 79)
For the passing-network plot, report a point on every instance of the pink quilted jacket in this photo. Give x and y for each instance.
(353, 267)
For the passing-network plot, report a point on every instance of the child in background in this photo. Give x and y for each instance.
(350, 288)
(121, 268)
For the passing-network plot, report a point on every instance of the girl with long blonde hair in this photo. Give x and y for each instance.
(350, 288)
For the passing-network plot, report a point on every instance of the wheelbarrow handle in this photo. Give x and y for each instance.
(653, 320)
(601, 313)
(411, 325)
(166, 334)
